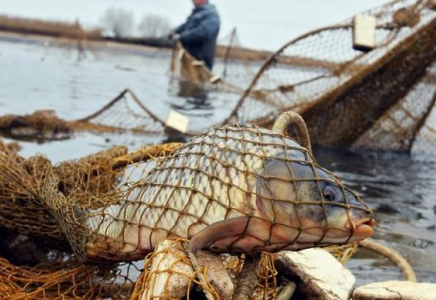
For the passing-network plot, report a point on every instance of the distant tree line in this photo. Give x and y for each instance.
(46, 27)
(120, 23)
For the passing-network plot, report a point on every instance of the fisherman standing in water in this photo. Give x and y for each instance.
(199, 33)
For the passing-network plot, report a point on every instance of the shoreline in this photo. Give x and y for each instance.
(62, 41)
(151, 45)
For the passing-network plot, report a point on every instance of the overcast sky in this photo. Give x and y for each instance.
(262, 24)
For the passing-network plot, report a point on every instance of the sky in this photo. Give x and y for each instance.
(261, 24)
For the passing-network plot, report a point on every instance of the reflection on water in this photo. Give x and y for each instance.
(196, 96)
(400, 188)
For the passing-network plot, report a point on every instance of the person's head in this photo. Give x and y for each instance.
(200, 2)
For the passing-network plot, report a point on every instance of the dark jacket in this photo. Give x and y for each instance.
(199, 33)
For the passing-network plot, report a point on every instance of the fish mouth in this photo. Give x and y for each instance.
(362, 229)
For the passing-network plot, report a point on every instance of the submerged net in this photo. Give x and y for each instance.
(112, 208)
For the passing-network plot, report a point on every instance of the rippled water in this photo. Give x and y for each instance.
(401, 188)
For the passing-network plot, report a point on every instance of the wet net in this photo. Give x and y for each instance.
(124, 113)
(233, 69)
(350, 97)
(381, 98)
(229, 190)
(37, 258)
(41, 125)
(224, 174)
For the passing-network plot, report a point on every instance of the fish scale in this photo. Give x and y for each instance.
(213, 178)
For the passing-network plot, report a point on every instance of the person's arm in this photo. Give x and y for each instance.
(180, 28)
(205, 29)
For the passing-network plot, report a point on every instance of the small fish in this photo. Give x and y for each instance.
(233, 189)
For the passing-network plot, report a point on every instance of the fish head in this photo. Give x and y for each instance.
(307, 206)
(292, 204)
(295, 205)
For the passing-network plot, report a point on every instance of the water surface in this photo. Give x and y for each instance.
(400, 187)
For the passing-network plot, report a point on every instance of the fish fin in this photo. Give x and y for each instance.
(216, 231)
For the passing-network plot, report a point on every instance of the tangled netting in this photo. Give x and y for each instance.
(378, 99)
(253, 177)
(41, 125)
(37, 258)
(232, 189)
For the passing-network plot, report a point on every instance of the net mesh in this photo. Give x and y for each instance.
(348, 97)
(41, 125)
(378, 99)
(37, 259)
(365, 103)
(124, 112)
(234, 65)
(91, 220)
(60, 280)
(343, 93)
(224, 174)
(402, 124)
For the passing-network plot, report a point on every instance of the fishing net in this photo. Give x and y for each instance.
(40, 261)
(406, 122)
(9, 148)
(124, 112)
(220, 175)
(65, 279)
(346, 94)
(234, 66)
(92, 220)
(22, 182)
(380, 98)
(41, 125)
(377, 99)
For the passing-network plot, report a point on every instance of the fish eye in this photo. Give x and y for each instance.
(329, 193)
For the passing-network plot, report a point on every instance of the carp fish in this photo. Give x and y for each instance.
(233, 189)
